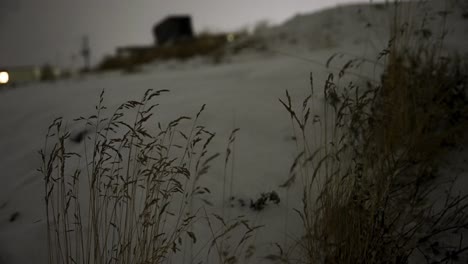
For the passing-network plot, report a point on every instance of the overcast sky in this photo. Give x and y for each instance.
(39, 31)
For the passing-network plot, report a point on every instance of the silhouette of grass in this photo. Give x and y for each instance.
(128, 198)
(368, 187)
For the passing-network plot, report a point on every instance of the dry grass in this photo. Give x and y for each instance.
(367, 189)
(129, 197)
(366, 196)
(127, 200)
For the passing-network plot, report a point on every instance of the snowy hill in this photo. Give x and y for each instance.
(240, 93)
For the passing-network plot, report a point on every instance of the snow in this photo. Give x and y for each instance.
(242, 92)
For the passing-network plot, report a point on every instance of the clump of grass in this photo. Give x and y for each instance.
(423, 91)
(368, 188)
(129, 195)
(366, 200)
(126, 197)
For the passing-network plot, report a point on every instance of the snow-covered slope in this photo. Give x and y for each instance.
(242, 93)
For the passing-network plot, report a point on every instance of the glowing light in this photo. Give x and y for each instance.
(4, 77)
(231, 37)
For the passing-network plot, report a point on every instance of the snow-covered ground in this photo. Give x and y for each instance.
(241, 92)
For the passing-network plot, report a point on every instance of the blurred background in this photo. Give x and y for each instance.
(52, 31)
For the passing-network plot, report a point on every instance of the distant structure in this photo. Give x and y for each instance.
(86, 53)
(19, 75)
(23, 74)
(173, 29)
(169, 43)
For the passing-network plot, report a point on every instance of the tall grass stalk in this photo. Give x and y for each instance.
(129, 198)
(367, 189)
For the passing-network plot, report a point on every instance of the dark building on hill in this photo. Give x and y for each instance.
(173, 29)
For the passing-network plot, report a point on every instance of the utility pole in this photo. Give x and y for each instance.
(86, 53)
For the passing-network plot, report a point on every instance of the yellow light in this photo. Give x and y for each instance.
(230, 37)
(4, 77)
